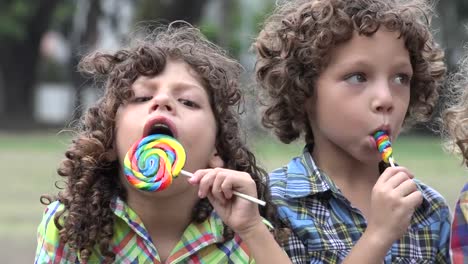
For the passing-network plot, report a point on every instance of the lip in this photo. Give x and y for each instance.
(385, 128)
(159, 120)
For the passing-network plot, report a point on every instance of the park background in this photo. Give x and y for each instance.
(41, 92)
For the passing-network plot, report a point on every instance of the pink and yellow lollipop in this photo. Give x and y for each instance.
(384, 146)
(153, 162)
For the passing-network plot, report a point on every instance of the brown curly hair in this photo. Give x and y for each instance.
(90, 168)
(294, 48)
(455, 114)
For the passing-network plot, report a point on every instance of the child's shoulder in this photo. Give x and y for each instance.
(434, 204)
(52, 209)
(293, 180)
(48, 218)
(464, 189)
(430, 194)
(295, 168)
(48, 238)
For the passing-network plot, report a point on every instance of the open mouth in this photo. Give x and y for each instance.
(162, 129)
(384, 129)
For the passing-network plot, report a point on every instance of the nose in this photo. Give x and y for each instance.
(162, 102)
(383, 99)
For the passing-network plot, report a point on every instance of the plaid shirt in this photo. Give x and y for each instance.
(459, 242)
(200, 243)
(325, 226)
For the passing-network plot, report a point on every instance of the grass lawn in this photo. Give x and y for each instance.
(29, 162)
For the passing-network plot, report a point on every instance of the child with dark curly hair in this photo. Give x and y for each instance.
(179, 83)
(455, 132)
(336, 72)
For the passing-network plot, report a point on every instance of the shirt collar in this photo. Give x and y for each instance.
(305, 178)
(207, 232)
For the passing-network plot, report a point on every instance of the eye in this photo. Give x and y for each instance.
(402, 79)
(141, 99)
(356, 78)
(189, 103)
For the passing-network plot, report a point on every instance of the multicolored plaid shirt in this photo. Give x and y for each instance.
(325, 226)
(459, 242)
(200, 243)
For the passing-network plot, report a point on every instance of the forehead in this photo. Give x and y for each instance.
(385, 44)
(174, 71)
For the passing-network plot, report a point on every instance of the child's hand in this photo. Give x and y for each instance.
(218, 184)
(394, 199)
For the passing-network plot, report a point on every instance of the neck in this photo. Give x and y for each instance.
(354, 178)
(344, 170)
(165, 216)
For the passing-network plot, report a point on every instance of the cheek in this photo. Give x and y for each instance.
(403, 96)
(208, 126)
(403, 108)
(125, 137)
(310, 109)
(202, 133)
(201, 138)
(121, 147)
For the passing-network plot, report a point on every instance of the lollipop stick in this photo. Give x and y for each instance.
(390, 160)
(241, 195)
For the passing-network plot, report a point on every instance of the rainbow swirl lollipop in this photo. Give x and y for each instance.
(384, 146)
(152, 162)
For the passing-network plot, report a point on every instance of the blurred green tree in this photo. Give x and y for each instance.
(145, 10)
(167, 11)
(453, 16)
(22, 24)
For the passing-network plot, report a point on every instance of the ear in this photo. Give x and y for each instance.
(215, 161)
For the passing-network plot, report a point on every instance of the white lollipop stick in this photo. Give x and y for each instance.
(390, 160)
(241, 195)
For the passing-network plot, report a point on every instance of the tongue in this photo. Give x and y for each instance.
(160, 129)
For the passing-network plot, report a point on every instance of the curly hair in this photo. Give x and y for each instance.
(90, 168)
(294, 47)
(455, 114)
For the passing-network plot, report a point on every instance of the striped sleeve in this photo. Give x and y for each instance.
(459, 240)
(49, 249)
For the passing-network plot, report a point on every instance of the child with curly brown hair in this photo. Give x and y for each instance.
(455, 132)
(178, 83)
(337, 72)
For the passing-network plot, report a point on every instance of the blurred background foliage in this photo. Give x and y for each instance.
(41, 42)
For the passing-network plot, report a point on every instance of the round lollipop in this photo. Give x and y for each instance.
(152, 162)
(384, 146)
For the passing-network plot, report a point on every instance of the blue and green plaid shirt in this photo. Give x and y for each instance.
(325, 226)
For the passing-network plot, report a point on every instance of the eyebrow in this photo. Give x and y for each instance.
(360, 62)
(146, 84)
(404, 64)
(187, 86)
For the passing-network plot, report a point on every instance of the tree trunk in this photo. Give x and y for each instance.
(80, 43)
(18, 66)
(190, 11)
(168, 11)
